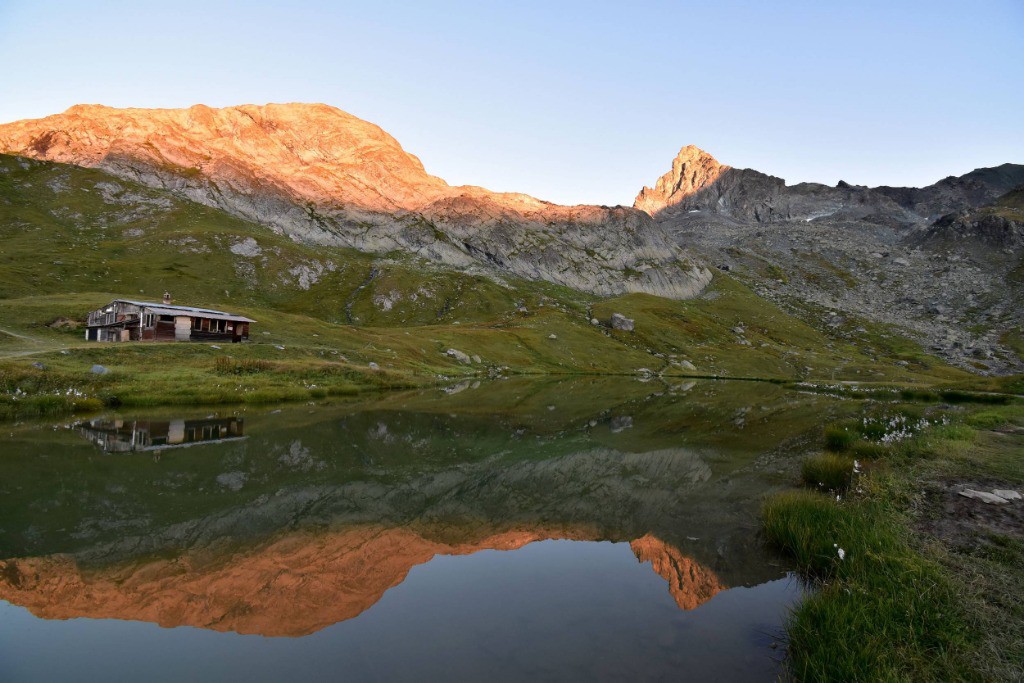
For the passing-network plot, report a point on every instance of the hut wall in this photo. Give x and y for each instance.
(182, 327)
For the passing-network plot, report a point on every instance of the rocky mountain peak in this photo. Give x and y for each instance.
(322, 176)
(309, 152)
(693, 169)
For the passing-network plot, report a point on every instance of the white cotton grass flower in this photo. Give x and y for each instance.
(839, 551)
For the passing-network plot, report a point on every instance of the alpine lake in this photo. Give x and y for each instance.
(575, 529)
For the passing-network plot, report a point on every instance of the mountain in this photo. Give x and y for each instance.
(698, 182)
(359, 222)
(942, 264)
(73, 238)
(322, 176)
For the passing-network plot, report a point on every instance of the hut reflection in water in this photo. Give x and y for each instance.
(115, 435)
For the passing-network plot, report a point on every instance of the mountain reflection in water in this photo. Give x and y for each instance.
(320, 511)
(293, 586)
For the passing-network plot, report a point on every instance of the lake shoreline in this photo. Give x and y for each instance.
(912, 580)
(79, 380)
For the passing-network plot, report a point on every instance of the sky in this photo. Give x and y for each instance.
(574, 102)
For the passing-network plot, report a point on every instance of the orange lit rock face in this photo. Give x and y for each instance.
(293, 586)
(693, 169)
(307, 151)
(690, 584)
(322, 176)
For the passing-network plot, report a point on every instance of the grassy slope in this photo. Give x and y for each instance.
(65, 229)
(74, 238)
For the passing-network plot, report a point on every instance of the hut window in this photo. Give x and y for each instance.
(167, 318)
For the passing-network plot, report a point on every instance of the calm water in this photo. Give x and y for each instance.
(576, 530)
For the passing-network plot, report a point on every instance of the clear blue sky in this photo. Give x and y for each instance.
(569, 101)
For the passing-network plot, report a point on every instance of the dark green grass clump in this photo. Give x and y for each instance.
(828, 472)
(839, 437)
(880, 611)
(245, 366)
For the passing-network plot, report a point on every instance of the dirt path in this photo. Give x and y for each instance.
(41, 346)
(18, 336)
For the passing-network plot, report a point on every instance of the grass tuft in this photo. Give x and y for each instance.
(839, 437)
(880, 610)
(245, 366)
(828, 472)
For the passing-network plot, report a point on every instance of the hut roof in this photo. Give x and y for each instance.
(168, 309)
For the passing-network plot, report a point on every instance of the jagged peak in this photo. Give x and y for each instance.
(692, 170)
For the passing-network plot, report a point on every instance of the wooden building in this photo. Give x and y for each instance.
(127, 320)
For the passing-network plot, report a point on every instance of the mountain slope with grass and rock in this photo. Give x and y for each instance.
(942, 263)
(320, 176)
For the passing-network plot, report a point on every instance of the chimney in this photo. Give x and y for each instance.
(167, 297)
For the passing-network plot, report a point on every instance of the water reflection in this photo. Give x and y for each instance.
(295, 585)
(321, 512)
(116, 435)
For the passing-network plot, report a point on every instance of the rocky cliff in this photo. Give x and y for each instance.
(999, 224)
(692, 170)
(322, 176)
(698, 182)
(937, 262)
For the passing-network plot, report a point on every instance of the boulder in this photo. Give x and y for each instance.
(621, 322)
(99, 370)
(459, 356)
(620, 422)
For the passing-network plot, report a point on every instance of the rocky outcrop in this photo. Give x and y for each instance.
(692, 170)
(697, 182)
(320, 175)
(933, 261)
(998, 225)
(988, 228)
